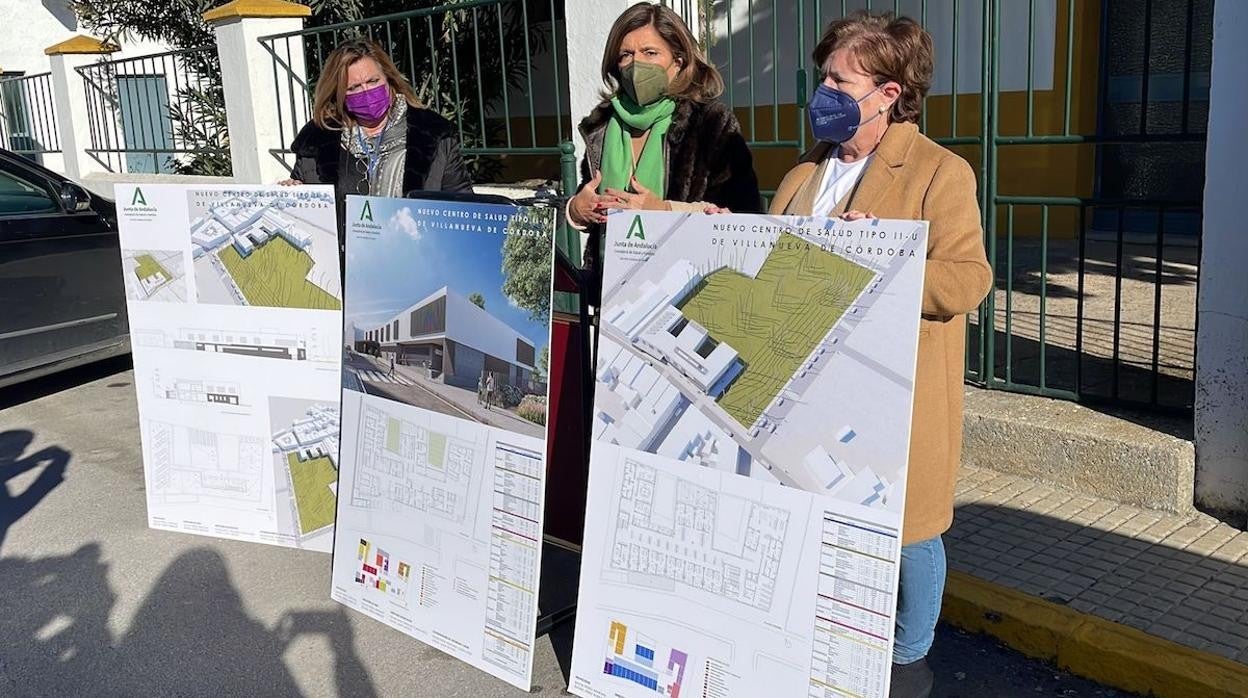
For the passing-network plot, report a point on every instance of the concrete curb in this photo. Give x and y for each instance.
(1076, 448)
(1091, 647)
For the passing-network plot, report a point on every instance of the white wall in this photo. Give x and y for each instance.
(477, 328)
(588, 23)
(27, 27)
(1222, 306)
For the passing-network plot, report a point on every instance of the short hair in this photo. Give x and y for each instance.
(890, 48)
(697, 81)
(329, 101)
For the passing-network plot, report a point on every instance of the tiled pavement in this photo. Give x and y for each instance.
(1182, 578)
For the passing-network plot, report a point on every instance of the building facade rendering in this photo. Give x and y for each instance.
(457, 341)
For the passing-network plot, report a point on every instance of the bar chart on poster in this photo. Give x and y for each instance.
(234, 301)
(751, 423)
(444, 424)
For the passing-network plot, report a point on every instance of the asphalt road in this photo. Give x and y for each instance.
(92, 602)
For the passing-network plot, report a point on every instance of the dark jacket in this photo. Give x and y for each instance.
(707, 160)
(434, 161)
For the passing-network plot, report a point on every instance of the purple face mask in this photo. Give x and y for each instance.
(371, 105)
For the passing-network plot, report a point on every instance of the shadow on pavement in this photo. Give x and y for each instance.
(51, 461)
(191, 636)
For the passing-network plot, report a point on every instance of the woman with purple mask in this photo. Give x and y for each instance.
(369, 134)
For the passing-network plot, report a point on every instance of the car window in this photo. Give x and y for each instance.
(19, 196)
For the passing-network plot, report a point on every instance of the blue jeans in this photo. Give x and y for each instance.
(921, 585)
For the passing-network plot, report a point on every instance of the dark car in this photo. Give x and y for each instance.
(62, 299)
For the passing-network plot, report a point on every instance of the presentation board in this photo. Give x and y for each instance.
(235, 309)
(752, 408)
(444, 424)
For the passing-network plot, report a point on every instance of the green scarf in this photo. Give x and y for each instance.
(617, 145)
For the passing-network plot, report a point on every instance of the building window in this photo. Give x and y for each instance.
(430, 318)
(677, 328)
(525, 353)
(706, 347)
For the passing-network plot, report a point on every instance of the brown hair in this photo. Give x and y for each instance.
(697, 81)
(329, 108)
(890, 48)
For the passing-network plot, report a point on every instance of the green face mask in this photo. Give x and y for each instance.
(645, 83)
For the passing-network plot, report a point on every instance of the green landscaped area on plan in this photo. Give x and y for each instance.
(774, 321)
(392, 435)
(437, 451)
(315, 500)
(146, 267)
(274, 275)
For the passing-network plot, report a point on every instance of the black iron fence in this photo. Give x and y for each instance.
(28, 116)
(161, 114)
(497, 68)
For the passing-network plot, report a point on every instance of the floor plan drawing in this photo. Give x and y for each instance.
(459, 505)
(154, 275)
(253, 249)
(376, 573)
(404, 466)
(190, 465)
(631, 657)
(305, 454)
(696, 579)
(678, 530)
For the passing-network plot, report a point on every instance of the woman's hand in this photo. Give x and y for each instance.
(715, 210)
(643, 200)
(857, 215)
(290, 182)
(588, 205)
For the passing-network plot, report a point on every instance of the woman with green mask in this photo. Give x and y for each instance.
(660, 140)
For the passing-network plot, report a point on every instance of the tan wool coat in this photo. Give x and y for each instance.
(911, 177)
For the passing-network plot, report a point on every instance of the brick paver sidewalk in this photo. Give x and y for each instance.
(1180, 577)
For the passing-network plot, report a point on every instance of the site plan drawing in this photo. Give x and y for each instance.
(443, 446)
(252, 249)
(154, 275)
(305, 455)
(780, 350)
(237, 357)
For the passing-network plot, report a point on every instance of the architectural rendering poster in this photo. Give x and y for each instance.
(235, 308)
(748, 470)
(443, 432)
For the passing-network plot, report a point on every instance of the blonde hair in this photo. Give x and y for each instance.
(329, 101)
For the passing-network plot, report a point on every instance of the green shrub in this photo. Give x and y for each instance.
(533, 408)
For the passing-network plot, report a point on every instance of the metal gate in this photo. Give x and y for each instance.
(1084, 120)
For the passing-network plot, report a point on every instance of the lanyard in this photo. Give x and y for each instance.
(373, 154)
